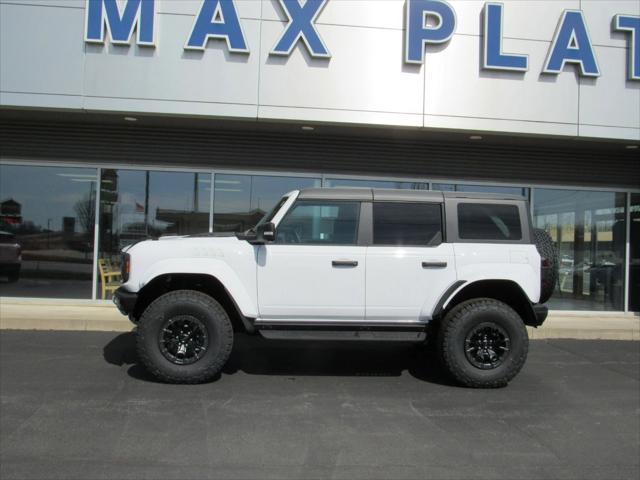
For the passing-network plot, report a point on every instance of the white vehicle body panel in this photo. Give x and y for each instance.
(299, 282)
(400, 288)
(519, 263)
(231, 261)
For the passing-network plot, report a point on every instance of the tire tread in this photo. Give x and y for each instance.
(203, 300)
(447, 337)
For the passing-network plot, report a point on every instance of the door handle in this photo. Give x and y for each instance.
(434, 264)
(344, 263)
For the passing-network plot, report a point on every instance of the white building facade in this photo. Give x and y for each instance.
(147, 117)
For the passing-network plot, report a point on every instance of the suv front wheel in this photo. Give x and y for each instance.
(184, 336)
(483, 343)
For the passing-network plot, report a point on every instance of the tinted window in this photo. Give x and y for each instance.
(7, 238)
(407, 224)
(47, 220)
(481, 221)
(320, 222)
(589, 231)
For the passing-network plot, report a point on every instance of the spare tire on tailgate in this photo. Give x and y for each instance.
(549, 263)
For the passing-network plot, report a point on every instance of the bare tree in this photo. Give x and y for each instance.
(86, 212)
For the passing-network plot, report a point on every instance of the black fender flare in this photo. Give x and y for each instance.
(532, 314)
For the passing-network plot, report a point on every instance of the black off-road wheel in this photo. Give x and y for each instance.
(184, 336)
(483, 343)
(549, 267)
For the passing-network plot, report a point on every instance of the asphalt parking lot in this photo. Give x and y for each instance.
(77, 405)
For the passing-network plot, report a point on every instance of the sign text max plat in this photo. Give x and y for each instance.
(426, 22)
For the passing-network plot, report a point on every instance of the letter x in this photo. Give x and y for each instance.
(301, 26)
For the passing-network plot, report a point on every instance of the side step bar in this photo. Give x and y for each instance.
(341, 330)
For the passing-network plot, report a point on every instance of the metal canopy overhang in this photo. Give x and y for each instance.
(95, 138)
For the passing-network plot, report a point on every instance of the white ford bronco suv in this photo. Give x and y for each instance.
(467, 271)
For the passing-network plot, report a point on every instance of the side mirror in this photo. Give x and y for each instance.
(266, 232)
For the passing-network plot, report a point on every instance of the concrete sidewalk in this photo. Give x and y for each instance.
(87, 315)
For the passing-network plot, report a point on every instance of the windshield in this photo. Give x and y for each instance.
(269, 216)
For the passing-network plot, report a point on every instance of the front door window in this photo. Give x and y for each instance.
(320, 223)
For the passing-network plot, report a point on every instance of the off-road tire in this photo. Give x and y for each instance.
(204, 308)
(457, 325)
(549, 269)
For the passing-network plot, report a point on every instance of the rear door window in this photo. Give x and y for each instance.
(417, 224)
(486, 221)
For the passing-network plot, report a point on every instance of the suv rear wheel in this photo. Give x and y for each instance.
(184, 336)
(483, 343)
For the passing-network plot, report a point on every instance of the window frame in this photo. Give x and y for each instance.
(359, 222)
(452, 220)
(403, 202)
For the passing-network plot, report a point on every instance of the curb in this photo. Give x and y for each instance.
(63, 315)
(103, 316)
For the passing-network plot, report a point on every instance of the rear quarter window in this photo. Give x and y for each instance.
(487, 221)
(6, 237)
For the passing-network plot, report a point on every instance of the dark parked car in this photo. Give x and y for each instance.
(10, 256)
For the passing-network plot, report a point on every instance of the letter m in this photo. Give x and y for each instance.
(120, 22)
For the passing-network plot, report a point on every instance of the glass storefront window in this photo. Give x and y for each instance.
(634, 254)
(240, 201)
(588, 228)
(47, 218)
(349, 182)
(138, 204)
(450, 187)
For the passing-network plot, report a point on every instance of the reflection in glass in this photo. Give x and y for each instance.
(349, 182)
(485, 221)
(137, 204)
(47, 217)
(417, 224)
(450, 187)
(588, 229)
(321, 223)
(634, 254)
(240, 201)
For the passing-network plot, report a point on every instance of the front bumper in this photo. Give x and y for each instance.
(125, 301)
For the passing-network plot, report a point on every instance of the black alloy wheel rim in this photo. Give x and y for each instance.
(183, 339)
(487, 345)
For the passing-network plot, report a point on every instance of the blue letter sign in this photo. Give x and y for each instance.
(301, 26)
(628, 23)
(217, 19)
(138, 13)
(492, 56)
(571, 44)
(418, 33)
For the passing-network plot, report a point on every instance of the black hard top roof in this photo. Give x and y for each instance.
(397, 195)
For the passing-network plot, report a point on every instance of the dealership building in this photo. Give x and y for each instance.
(121, 120)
